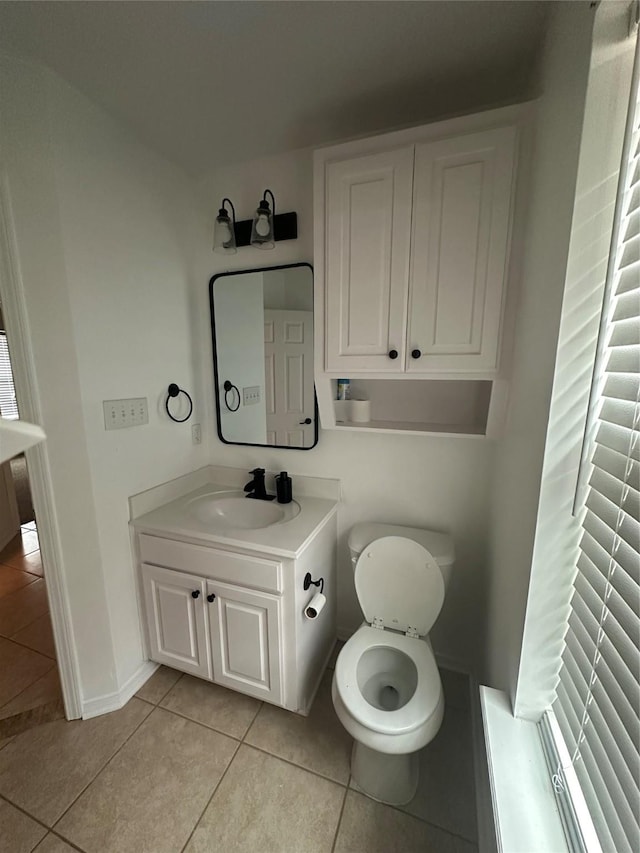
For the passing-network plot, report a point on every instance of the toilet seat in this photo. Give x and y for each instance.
(422, 705)
(399, 585)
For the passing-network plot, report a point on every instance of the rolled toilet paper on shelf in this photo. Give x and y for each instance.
(342, 409)
(360, 411)
(314, 607)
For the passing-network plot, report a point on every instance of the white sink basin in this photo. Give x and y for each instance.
(234, 511)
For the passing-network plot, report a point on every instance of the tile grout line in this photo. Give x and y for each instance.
(24, 646)
(196, 722)
(24, 571)
(344, 802)
(416, 817)
(424, 820)
(37, 820)
(71, 844)
(250, 726)
(93, 779)
(46, 828)
(213, 793)
(245, 742)
(24, 554)
(293, 764)
(18, 695)
(164, 695)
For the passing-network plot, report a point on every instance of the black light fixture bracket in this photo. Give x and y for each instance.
(285, 227)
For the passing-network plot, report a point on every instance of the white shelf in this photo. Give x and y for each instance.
(413, 428)
(444, 407)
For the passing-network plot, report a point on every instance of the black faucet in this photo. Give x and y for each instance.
(256, 488)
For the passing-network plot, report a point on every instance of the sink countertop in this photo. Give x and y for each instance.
(285, 539)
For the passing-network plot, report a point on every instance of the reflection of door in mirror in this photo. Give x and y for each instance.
(262, 325)
(288, 361)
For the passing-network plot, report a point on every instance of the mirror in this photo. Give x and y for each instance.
(262, 329)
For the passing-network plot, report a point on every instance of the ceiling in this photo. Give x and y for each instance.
(209, 83)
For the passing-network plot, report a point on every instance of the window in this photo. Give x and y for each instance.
(8, 404)
(595, 715)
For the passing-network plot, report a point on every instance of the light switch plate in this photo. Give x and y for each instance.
(119, 414)
(251, 396)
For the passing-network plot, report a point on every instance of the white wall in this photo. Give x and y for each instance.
(563, 78)
(239, 307)
(105, 233)
(414, 480)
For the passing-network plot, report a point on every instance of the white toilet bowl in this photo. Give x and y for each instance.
(386, 686)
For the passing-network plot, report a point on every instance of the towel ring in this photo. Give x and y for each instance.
(228, 388)
(173, 391)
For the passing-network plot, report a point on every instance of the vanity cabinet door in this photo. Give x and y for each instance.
(461, 216)
(368, 228)
(245, 640)
(176, 619)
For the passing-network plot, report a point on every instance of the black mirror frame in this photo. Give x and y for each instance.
(216, 381)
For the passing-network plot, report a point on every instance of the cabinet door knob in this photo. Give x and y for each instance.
(211, 597)
(195, 593)
(306, 421)
(415, 353)
(393, 353)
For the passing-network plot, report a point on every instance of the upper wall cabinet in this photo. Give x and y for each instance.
(415, 251)
(368, 222)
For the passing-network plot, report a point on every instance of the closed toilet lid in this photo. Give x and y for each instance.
(399, 583)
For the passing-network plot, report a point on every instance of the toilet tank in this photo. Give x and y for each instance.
(439, 545)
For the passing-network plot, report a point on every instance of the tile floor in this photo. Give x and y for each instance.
(28, 670)
(190, 766)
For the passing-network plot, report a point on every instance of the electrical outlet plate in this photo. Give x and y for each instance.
(251, 396)
(119, 414)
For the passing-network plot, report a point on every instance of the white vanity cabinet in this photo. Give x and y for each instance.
(415, 251)
(176, 619)
(245, 628)
(235, 615)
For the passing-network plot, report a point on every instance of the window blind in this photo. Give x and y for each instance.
(598, 696)
(8, 405)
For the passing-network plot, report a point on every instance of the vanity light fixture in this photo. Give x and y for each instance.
(262, 236)
(224, 230)
(263, 231)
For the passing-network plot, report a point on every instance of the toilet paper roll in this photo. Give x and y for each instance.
(342, 409)
(314, 607)
(360, 411)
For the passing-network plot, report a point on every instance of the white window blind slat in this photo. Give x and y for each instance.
(617, 464)
(617, 831)
(598, 697)
(614, 490)
(628, 278)
(626, 304)
(623, 703)
(615, 517)
(622, 608)
(625, 333)
(8, 404)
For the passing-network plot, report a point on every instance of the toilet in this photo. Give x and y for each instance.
(386, 686)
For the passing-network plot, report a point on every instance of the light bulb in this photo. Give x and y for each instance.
(225, 232)
(263, 226)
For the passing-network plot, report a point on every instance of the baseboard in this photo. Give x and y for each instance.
(114, 701)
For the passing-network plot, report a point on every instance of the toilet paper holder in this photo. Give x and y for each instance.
(308, 581)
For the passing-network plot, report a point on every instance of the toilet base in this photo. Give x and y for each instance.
(391, 779)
